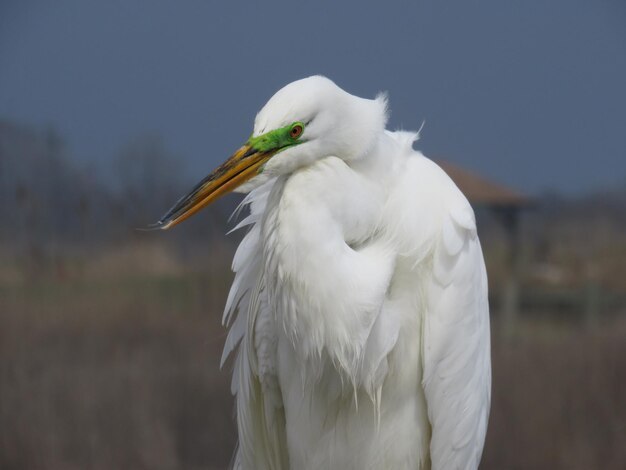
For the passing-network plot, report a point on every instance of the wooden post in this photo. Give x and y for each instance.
(591, 300)
(510, 303)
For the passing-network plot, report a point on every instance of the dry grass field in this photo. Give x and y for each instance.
(115, 364)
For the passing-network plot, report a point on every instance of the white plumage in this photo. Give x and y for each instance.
(358, 314)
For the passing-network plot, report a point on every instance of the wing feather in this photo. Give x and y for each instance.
(457, 370)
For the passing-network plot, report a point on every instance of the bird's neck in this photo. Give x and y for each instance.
(378, 163)
(325, 271)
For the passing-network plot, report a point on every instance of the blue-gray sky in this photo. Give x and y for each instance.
(530, 93)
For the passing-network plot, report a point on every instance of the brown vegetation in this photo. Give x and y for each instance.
(120, 370)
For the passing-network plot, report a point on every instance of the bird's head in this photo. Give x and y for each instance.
(305, 121)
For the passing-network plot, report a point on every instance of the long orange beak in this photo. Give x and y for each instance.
(239, 168)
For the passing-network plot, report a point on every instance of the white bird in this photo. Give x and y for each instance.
(359, 312)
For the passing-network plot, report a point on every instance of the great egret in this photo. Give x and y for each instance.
(359, 310)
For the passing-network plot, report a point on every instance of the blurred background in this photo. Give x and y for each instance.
(109, 111)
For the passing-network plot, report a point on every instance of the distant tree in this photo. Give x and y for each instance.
(148, 179)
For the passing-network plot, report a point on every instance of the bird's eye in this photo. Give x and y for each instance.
(296, 131)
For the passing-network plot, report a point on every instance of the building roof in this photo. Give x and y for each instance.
(480, 190)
